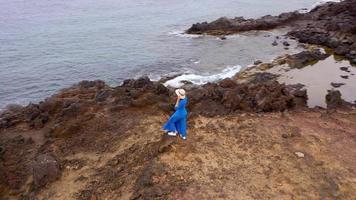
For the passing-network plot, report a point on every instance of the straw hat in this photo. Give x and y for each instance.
(180, 93)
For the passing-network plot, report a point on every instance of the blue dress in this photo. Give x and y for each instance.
(178, 121)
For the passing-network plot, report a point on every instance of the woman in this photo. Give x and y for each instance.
(177, 123)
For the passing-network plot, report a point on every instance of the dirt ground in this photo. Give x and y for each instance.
(242, 156)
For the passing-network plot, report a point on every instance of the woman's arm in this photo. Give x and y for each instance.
(177, 102)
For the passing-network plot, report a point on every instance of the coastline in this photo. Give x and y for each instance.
(248, 132)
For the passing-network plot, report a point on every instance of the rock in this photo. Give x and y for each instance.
(299, 154)
(224, 26)
(336, 85)
(257, 62)
(305, 58)
(262, 77)
(89, 84)
(285, 43)
(2, 150)
(45, 170)
(102, 95)
(334, 100)
(223, 37)
(274, 43)
(227, 83)
(346, 69)
(344, 76)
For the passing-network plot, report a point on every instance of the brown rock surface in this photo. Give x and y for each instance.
(113, 148)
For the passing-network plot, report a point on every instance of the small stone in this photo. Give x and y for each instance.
(274, 43)
(336, 85)
(346, 69)
(223, 38)
(285, 43)
(344, 76)
(285, 135)
(299, 154)
(257, 62)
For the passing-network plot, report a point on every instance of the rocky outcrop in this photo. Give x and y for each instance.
(304, 58)
(331, 24)
(261, 94)
(224, 26)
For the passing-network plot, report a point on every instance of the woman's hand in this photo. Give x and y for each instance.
(177, 102)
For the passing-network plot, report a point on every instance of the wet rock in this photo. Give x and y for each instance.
(31, 112)
(336, 85)
(274, 43)
(224, 26)
(2, 150)
(45, 170)
(139, 83)
(332, 25)
(160, 89)
(257, 62)
(334, 100)
(263, 77)
(285, 43)
(344, 76)
(222, 37)
(346, 69)
(305, 58)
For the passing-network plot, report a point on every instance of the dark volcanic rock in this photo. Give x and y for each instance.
(274, 43)
(332, 25)
(257, 62)
(223, 26)
(344, 76)
(262, 77)
(336, 85)
(346, 69)
(305, 58)
(333, 100)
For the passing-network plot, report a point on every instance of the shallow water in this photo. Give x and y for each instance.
(317, 79)
(49, 45)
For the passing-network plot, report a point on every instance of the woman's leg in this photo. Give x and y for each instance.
(181, 125)
(171, 123)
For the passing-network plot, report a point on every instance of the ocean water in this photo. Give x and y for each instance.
(49, 45)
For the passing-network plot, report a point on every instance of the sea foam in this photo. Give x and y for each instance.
(201, 79)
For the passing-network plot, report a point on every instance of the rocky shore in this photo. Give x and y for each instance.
(332, 25)
(250, 136)
(93, 141)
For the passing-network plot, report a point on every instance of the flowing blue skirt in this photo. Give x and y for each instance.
(177, 123)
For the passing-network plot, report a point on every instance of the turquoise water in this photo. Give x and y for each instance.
(48, 45)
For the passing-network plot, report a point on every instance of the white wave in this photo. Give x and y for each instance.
(183, 34)
(201, 79)
(318, 3)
